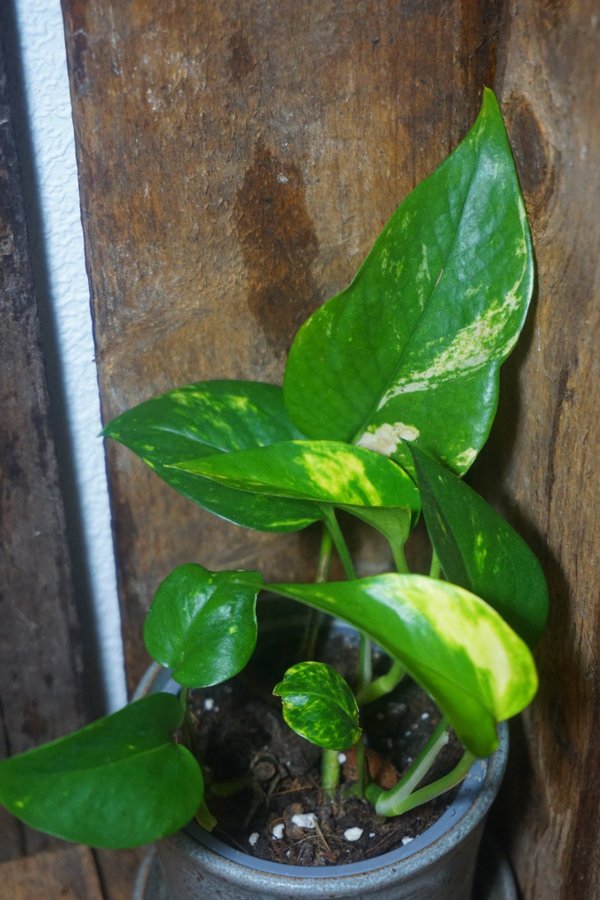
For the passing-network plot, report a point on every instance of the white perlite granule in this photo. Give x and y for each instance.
(353, 834)
(253, 838)
(277, 831)
(305, 820)
(406, 840)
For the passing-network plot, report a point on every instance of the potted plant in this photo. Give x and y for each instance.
(389, 394)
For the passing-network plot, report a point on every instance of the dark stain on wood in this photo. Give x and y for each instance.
(353, 104)
(279, 244)
(532, 153)
(241, 60)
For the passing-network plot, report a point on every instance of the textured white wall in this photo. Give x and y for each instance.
(41, 39)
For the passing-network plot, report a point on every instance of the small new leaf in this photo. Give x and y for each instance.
(202, 624)
(319, 705)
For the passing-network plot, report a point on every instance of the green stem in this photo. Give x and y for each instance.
(365, 670)
(339, 541)
(184, 694)
(391, 803)
(435, 570)
(315, 617)
(188, 725)
(399, 558)
(330, 770)
(433, 790)
(360, 767)
(382, 685)
(205, 818)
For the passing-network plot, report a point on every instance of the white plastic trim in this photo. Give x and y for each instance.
(42, 46)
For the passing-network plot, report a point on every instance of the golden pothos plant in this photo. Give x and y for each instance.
(389, 394)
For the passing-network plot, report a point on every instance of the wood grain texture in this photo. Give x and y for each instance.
(237, 160)
(41, 693)
(68, 874)
(118, 870)
(542, 459)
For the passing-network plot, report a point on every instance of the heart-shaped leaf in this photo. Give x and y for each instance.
(207, 418)
(319, 705)
(412, 348)
(120, 782)
(320, 471)
(202, 624)
(453, 644)
(480, 551)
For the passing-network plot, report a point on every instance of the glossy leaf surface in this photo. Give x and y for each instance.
(320, 471)
(412, 348)
(202, 624)
(208, 418)
(319, 705)
(480, 551)
(120, 782)
(453, 644)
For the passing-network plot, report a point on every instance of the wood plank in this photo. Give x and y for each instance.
(237, 160)
(542, 459)
(40, 651)
(118, 870)
(69, 873)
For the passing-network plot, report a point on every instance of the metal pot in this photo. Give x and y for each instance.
(437, 865)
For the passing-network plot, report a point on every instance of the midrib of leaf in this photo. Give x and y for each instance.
(426, 306)
(451, 539)
(190, 644)
(98, 766)
(165, 429)
(324, 697)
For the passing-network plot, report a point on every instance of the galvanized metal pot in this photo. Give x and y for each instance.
(438, 865)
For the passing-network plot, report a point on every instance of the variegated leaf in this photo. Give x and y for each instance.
(208, 418)
(202, 624)
(412, 348)
(320, 471)
(457, 647)
(480, 551)
(319, 705)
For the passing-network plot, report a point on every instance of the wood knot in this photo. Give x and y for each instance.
(533, 155)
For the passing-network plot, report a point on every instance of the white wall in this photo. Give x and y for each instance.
(41, 42)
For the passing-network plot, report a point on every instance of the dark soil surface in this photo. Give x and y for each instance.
(264, 779)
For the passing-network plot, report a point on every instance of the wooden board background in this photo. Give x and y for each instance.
(41, 666)
(237, 160)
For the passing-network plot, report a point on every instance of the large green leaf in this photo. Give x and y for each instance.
(120, 782)
(411, 349)
(202, 624)
(455, 645)
(319, 705)
(207, 418)
(320, 471)
(480, 551)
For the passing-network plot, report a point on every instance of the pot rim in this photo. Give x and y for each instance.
(469, 808)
